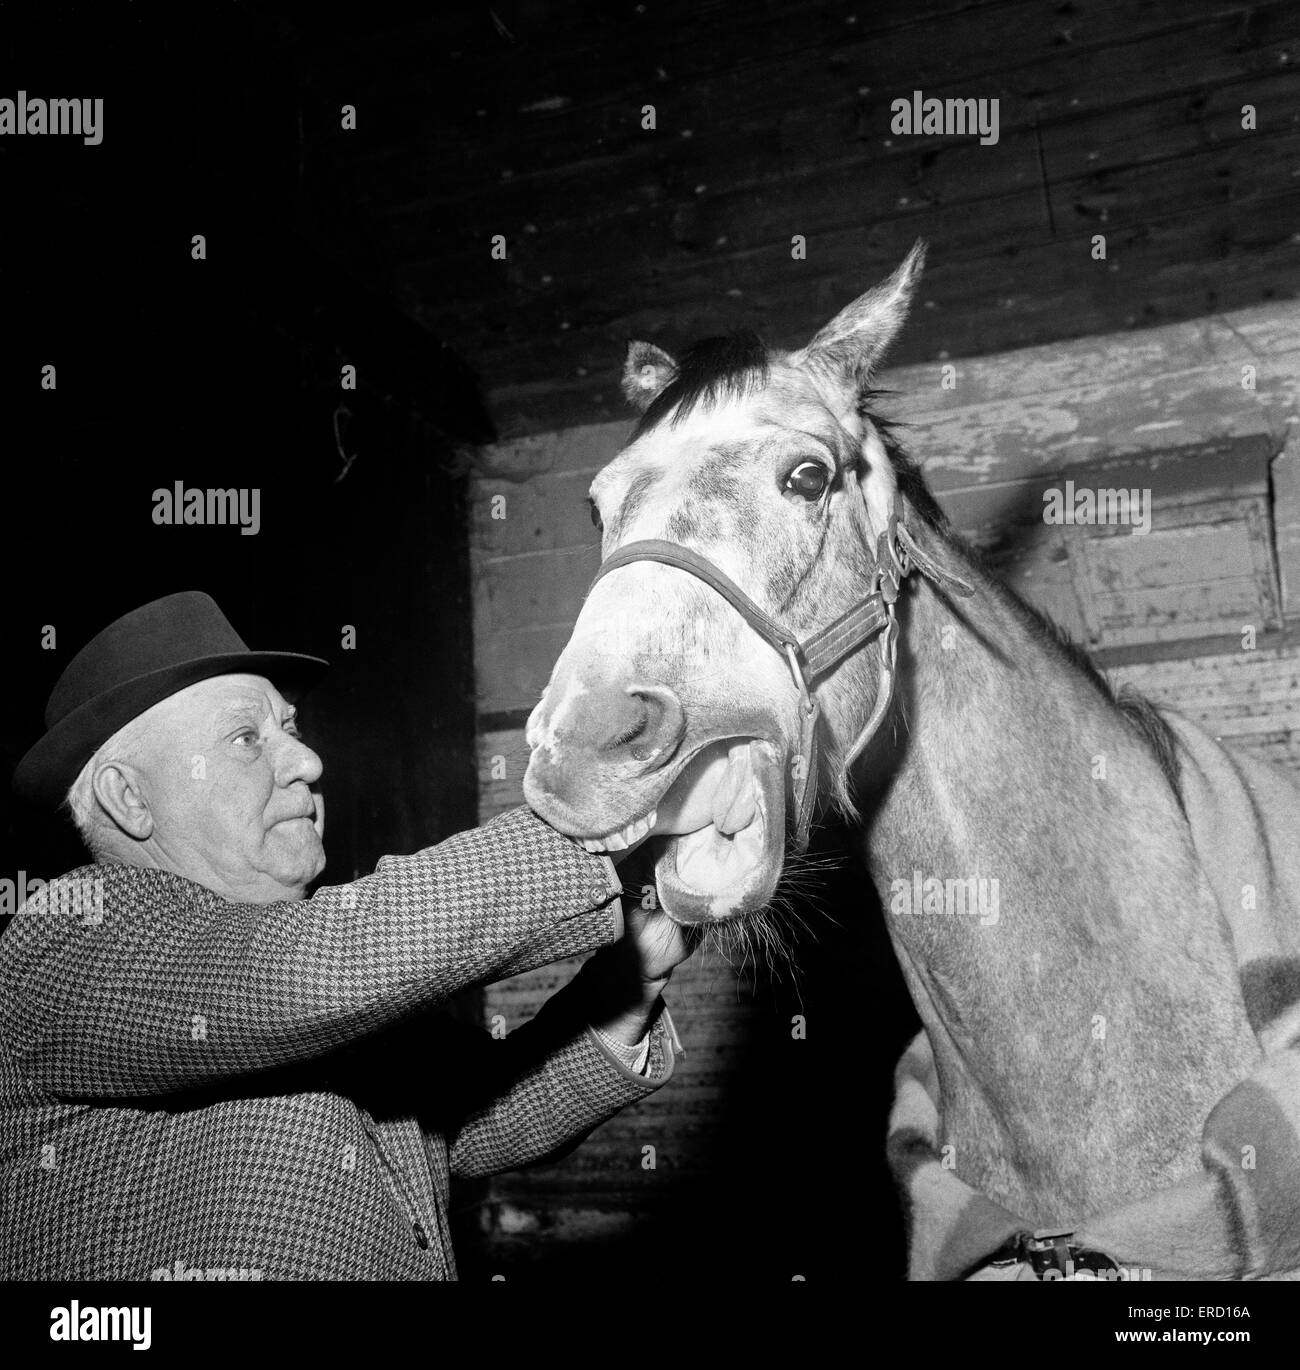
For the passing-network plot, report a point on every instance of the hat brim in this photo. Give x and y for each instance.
(44, 775)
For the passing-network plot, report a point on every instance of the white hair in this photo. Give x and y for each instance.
(93, 824)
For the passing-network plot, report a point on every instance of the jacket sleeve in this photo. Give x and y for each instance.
(175, 988)
(499, 1103)
(538, 1092)
(554, 1104)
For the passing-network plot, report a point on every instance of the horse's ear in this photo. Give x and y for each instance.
(647, 370)
(853, 342)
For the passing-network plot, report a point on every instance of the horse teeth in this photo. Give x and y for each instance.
(618, 841)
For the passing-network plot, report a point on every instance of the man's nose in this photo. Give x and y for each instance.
(296, 761)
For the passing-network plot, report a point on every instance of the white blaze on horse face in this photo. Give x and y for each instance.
(540, 733)
(662, 467)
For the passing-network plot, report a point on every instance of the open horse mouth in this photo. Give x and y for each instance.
(729, 803)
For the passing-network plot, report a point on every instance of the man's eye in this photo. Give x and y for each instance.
(246, 738)
(808, 480)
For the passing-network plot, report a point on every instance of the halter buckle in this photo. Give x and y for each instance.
(897, 529)
(1054, 1255)
(891, 566)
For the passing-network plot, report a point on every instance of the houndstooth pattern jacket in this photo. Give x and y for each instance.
(258, 1091)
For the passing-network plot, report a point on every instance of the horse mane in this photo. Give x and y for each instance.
(735, 365)
(1135, 708)
(907, 472)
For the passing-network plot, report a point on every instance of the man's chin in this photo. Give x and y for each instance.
(298, 862)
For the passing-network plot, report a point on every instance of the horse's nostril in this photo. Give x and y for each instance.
(662, 722)
(633, 727)
(644, 720)
(653, 711)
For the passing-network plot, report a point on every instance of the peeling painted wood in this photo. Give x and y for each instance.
(1013, 419)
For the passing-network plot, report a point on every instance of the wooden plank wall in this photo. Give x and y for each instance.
(1119, 117)
(1008, 417)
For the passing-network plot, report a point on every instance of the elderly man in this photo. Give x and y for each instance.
(204, 1074)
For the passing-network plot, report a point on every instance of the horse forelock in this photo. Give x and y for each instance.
(709, 372)
(693, 469)
(738, 366)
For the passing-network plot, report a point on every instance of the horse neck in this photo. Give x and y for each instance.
(1086, 1016)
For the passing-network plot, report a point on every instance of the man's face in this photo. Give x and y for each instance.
(228, 782)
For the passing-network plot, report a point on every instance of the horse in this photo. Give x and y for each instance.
(1095, 905)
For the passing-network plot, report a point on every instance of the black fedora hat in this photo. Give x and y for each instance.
(137, 661)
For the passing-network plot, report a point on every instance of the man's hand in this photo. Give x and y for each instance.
(657, 943)
(634, 970)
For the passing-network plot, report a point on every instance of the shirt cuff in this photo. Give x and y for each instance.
(635, 1057)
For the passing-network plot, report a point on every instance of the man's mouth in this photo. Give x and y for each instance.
(309, 816)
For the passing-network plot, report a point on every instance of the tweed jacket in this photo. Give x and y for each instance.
(193, 1088)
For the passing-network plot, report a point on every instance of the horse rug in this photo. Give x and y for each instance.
(1238, 1216)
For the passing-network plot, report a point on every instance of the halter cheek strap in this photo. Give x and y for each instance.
(812, 658)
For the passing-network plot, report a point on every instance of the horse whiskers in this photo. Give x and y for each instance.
(770, 936)
(753, 936)
(803, 875)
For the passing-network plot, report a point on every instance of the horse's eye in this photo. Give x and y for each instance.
(808, 480)
(595, 515)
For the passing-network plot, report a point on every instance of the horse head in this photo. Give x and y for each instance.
(667, 706)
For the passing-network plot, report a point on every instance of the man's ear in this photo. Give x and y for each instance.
(117, 787)
(852, 344)
(647, 370)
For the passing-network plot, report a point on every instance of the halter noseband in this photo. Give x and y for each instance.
(896, 555)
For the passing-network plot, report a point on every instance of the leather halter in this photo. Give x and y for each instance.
(809, 660)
